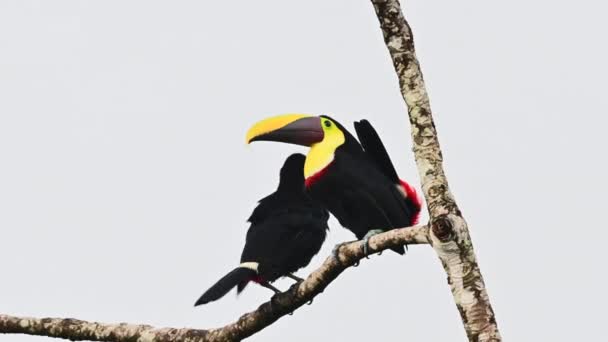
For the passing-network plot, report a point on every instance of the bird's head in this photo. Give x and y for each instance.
(299, 129)
(321, 133)
(292, 172)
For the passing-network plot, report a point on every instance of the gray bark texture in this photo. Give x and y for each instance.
(280, 305)
(448, 234)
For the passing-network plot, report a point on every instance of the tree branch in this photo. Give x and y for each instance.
(247, 325)
(449, 234)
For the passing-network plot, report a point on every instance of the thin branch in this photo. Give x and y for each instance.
(247, 325)
(449, 234)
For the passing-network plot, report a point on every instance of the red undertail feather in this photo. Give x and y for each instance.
(413, 196)
(255, 278)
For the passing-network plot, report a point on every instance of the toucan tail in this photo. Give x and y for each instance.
(239, 277)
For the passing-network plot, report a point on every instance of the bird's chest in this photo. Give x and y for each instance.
(339, 193)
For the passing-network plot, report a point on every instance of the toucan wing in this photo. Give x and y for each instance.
(374, 148)
(366, 203)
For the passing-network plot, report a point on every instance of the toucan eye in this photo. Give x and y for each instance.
(327, 123)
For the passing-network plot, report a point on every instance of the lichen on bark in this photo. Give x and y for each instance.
(449, 231)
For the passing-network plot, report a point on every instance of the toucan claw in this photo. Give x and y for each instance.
(366, 248)
(270, 287)
(366, 240)
(296, 278)
(336, 251)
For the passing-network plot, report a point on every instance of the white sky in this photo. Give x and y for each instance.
(125, 181)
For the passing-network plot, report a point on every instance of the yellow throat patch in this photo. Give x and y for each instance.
(321, 154)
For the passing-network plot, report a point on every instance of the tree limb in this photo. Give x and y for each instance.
(247, 325)
(449, 234)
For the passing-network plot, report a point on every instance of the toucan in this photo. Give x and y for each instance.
(355, 180)
(287, 229)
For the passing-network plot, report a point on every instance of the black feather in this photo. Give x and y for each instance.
(287, 227)
(374, 148)
(287, 230)
(360, 187)
(236, 277)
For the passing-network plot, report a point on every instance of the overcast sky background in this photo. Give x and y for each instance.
(125, 181)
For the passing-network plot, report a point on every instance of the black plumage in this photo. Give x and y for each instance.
(287, 229)
(360, 187)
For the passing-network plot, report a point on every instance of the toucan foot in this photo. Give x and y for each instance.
(310, 302)
(336, 251)
(366, 240)
(270, 287)
(294, 277)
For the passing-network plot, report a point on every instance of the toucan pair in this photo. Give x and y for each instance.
(355, 180)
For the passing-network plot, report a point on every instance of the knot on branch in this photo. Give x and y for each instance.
(442, 228)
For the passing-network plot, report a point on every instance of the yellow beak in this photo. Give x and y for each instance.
(297, 129)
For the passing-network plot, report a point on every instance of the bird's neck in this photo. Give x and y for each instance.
(321, 155)
(316, 160)
(309, 181)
